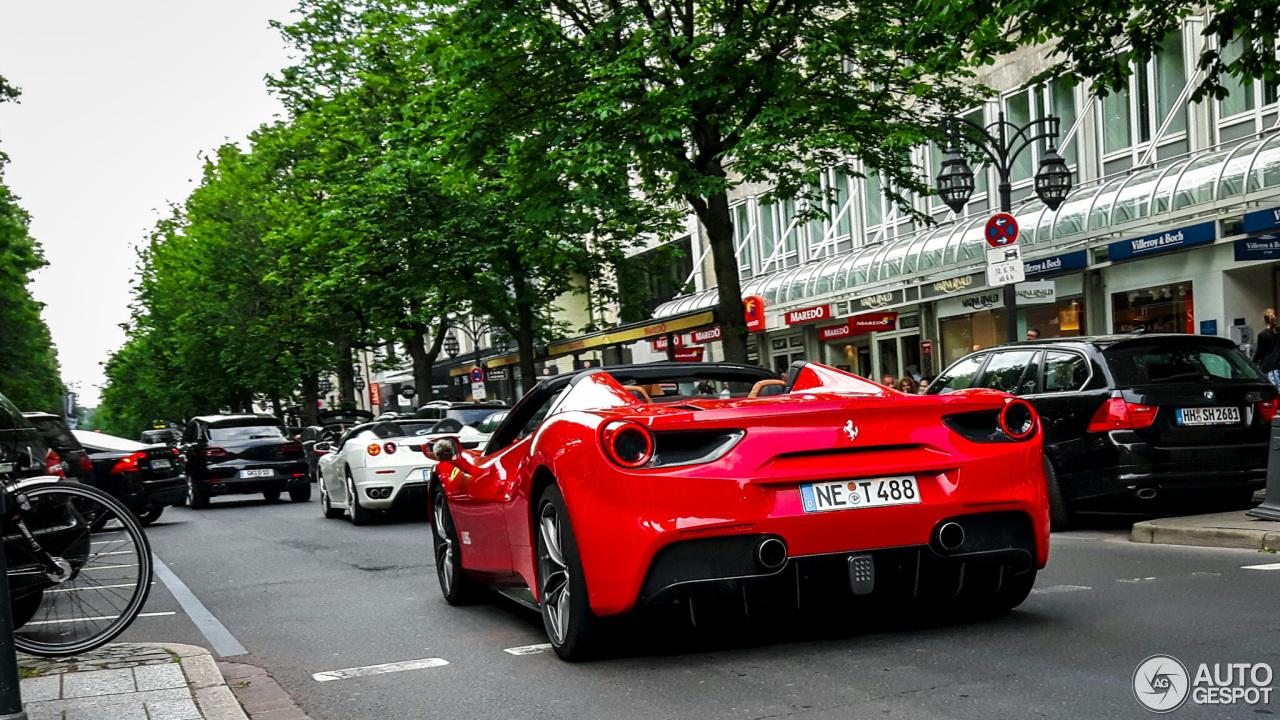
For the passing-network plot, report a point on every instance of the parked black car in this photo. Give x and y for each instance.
(23, 453)
(1132, 421)
(75, 459)
(333, 423)
(146, 478)
(242, 454)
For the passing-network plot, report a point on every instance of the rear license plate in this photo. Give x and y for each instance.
(851, 494)
(161, 464)
(256, 473)
(1209, 416)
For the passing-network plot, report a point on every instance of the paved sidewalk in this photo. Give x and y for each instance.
(1227, 530)
(129, 682)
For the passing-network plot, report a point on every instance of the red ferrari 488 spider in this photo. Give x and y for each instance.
(647, 486)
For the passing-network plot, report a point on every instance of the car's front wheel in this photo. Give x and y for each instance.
(573, 629)
(456, 585)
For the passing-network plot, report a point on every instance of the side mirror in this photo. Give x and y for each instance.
(445, 449)
(323, 448)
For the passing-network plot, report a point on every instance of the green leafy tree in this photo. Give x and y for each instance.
(29, 373)
(695, 98)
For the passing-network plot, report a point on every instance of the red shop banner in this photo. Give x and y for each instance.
(689, 354)
(753, 306)
(816, 313)
(660, 345)
(860, 324)
(375, 394)
(702, 336)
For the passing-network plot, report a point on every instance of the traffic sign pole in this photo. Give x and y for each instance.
(1002, 231)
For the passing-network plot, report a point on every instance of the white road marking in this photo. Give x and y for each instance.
(382, 669)
(1059, 589)
(223, 642)
(1134, 581)
(94, 587)
(97, 617)
(106, 567)
(1268, 566)
(528, 649)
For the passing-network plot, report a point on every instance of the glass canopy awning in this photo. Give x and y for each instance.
(1162, 193)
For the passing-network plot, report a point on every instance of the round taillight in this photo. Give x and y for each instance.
(627, 444)
(1018, 420)
(390, 448)
(374, 449)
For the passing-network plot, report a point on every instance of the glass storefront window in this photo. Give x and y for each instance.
(1060, 319)
(964, 334)
(1168, 308)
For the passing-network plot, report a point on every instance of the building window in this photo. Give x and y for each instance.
(650, 278)
(1133, 117)
(744, 230)
(1248, 107)
(779, 235)
(1037, 103)
(882, 217)
(1168, 308)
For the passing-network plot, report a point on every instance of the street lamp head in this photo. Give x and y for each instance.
(1053, 179)
(451, 346)
(955, 180)
(359, 382)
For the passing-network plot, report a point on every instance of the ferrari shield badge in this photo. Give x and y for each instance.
(851, 431)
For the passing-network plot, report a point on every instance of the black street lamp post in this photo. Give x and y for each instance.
(1002, 142)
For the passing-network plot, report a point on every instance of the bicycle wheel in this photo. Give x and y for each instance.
(98, 578)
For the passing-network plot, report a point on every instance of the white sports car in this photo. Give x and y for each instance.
(379, 466)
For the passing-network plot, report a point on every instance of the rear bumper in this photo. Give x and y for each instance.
(398, 490)
(997, 546)
(249, 486)
(1140, 467)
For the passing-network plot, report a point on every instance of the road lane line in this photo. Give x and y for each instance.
(223, 642)
(99, 617)
(1268, 566)
(1059, 589)
(382, 669)
(528, 649)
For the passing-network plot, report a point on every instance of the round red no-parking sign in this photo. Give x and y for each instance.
(1002, 229)
(477, 375)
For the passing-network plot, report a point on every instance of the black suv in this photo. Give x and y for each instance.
(23, 453)
(243, 454)
(333, 423)
(146, 478)
(1130, 421)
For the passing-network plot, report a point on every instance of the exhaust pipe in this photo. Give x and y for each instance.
(771, 553)
(950, 536)
(1146, 493)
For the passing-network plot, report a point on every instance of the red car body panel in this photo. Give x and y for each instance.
(622, 518)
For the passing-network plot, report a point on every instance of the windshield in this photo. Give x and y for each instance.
(248, 432)
(470, 416)
(403, 429)
(56, 434)
(1154, 363)
(103, 442)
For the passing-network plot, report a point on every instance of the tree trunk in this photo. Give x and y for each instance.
(424, 358)
(310, 399)
(275, 406)
(713, 211)
(346, 373)
(524, 324)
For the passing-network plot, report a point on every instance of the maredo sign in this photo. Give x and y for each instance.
(860, 324)
(660, 345)
(702, 336)
(811, 314)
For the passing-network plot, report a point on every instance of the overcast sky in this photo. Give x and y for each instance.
(118, 98)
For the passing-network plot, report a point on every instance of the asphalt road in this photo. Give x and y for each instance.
(307, 595)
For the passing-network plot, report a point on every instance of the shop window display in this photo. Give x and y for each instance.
(1168, 308)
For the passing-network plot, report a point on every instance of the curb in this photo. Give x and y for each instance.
(212, 694)
(1177, 531)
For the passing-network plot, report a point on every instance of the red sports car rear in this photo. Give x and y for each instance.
(622, 496)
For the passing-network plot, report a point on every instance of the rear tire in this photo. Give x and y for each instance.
(574, 630)
(302, 493)
(150, 515)
(197, 496)
(359, 516)
(272, 496)
(1059, 513)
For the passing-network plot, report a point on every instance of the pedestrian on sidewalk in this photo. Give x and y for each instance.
(1267, 356)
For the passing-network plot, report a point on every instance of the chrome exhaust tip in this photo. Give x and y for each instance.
(771, 553)
(1146, 493)
(950, 536)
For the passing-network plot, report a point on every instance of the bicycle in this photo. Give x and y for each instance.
(79, 566)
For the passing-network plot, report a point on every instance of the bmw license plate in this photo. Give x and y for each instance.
(256, 473)
(161, 464)
(851, 494)
(1209, 416)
